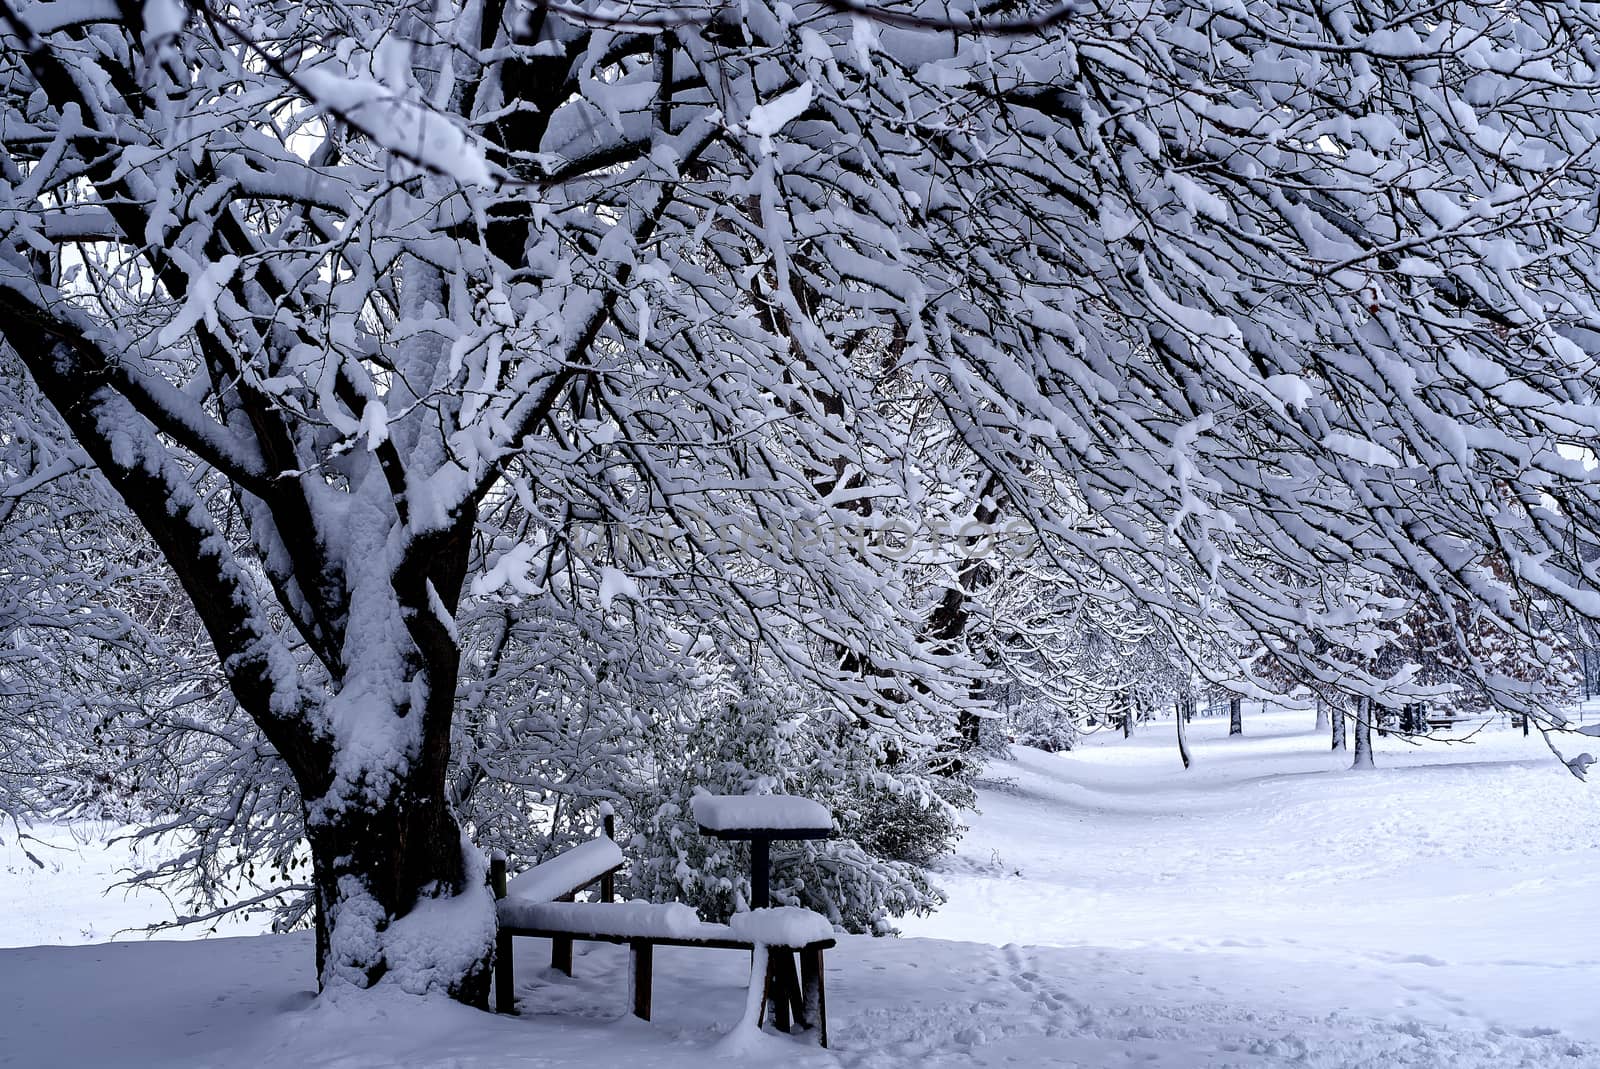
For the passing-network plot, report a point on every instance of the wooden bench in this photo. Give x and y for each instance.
(539, 903)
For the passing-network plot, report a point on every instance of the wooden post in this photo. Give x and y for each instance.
(561, 947)
(608, 882)
(760, 859)
(641, 955)
(561, 955)
(816, 996)
(497, 874)
(505, 984)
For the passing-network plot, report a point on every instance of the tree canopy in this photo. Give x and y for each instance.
(706, 334)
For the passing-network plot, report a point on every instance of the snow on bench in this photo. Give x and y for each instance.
(781, 926)
(671, 923)
(655, 921)
(760, 812)
(569, 871)
(788, 931)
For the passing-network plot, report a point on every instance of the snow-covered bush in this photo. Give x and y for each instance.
(892, 815)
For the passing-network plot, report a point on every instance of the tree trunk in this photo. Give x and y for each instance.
(1322, 714)
(401, 894)
(1183, 742)
(1413, 719)
(1235, 717)
(387, 884)
(1337, 714)
(1366, 708)
(1128, 708)
(369, 743)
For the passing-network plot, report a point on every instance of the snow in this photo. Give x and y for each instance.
(65, 894)
(163, 19)
(206, 287)
(787, 926)
(747, 812)
(1265, 909)
(419, 133)
(767, 119)
(615, 584)
(745, 1039)
(442, 936)
(1454, 882)
(567, 871)
(1360, 449)
(640, 920)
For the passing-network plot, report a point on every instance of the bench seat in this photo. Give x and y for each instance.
(665, 923)
(643, 926)
(591, 925)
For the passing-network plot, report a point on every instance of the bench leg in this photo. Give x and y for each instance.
(777, 988)
(641, 957)
(816, 992)
(561, 955)
(791, 990)
(505, 984)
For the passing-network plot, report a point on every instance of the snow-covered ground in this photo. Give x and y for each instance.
(1465, 875)
(1107, 908)
(58, 885)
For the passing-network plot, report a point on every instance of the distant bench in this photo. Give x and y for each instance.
(540, 903)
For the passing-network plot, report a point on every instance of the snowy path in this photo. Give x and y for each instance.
(1462, 877)
(1266, 908)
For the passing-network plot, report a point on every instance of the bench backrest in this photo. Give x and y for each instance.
(568, 872)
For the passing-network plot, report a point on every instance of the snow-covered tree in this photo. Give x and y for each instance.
(91, 634)
(316, 291)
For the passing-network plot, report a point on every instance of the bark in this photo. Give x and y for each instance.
(1338, 715)
(1322, 715)
(1235, 717)
(1366, 709)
